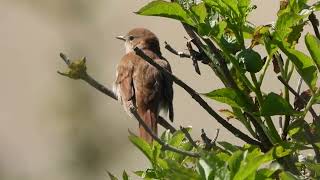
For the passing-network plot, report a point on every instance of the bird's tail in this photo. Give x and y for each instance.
(150, 118)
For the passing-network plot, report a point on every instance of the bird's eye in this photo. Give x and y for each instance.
(131, 38)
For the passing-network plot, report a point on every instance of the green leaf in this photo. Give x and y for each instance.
(179, 172)
(142, 145)
(287, 176)
(200, 12)
(112, 177)
(266, 173)
(166, 9)
(228, 96)
(204, 169)
(229, 147)
(235, 162)
(253, 160)
(303, 64)
(274, 104)
(125, 176)
(251, 59)
(176, 141)
(313, 45)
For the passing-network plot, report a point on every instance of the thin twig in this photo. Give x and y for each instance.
(178, 53)
(216, 137)
(164, 145)
(209, 144)
(311, 110)
(197, 98)
(188, 136)
(91, 81)
(299, 85)
(164, 123)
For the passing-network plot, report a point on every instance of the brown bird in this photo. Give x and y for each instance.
(140, 84)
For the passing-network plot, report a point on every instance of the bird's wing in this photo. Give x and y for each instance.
(124, 81)
(167, 86)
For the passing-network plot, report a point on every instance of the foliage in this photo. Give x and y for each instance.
(224, 23)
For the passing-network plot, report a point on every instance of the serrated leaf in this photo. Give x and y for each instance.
(284, 25)
(143, 146)
(274, 104)
(251, 59)
(313, 45)
(228, 96)
(166, 9)
(303, 64)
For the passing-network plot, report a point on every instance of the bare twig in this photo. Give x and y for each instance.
(164, 123)
(216, 137)
(178, 53)
(188, 136)
(88, 79)
(197, 98)
(209, 144)
(193, 56)
(299, 85)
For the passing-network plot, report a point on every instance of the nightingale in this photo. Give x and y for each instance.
(140, 84)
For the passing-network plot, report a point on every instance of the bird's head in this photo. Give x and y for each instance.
(141, 38)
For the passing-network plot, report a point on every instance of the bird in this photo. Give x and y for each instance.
(140, 84)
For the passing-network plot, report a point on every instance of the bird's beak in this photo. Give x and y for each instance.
(121, 38)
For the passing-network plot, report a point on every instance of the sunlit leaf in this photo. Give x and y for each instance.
(200, 12)
(313, 45)
(304, 65)
(166, 9)
(228, 96)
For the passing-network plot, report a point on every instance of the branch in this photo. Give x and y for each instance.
(164, 145)
(197, 98)
(208, 142)
(315, 23)
(188, 136)
(178, 53)
(77, 70)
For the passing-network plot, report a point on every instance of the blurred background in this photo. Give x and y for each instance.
(53, 127)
